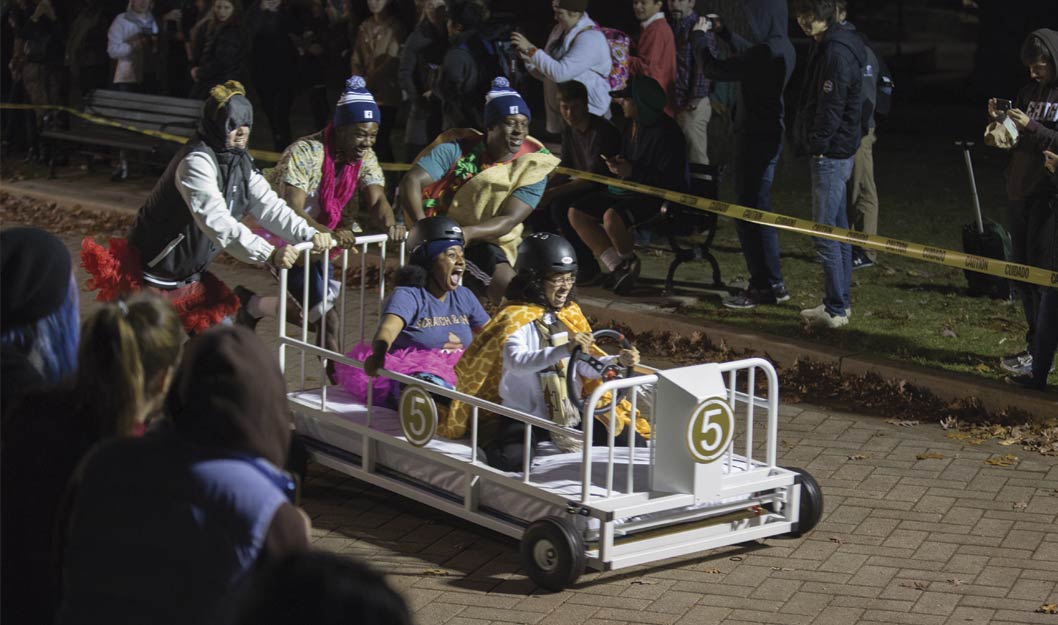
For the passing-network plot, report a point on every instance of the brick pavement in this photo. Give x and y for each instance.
(949, 540)
(944, 541)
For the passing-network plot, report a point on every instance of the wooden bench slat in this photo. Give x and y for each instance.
(147, 120)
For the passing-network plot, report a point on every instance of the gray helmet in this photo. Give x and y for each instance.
(430, 229)
(542, 254)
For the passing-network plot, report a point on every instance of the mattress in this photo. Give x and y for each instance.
(552, 471)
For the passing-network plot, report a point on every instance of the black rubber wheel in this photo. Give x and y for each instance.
(811, 504)
(553, 553)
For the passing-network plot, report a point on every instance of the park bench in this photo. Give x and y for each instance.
(175, 116)
(686, 232)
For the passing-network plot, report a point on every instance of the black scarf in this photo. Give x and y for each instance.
(219, 119)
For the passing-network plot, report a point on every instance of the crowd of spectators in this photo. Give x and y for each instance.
(636, 106)
(168, 455)
(143, 473)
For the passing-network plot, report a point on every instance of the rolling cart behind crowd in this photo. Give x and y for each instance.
(707, 479)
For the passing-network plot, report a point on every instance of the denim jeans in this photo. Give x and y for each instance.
(829, 176)
(754, 172)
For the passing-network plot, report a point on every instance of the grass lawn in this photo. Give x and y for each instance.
(902, 308)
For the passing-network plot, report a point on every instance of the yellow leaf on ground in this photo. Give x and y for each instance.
(1048, 608)
(1008, 460)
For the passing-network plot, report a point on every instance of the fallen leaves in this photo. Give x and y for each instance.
(857, 457)
(917, 585)
(643, 582)
(835, 539)
(435, 572)
(930, 455)
(1048, 608)
(712, 571)
(1008, 460)
(1019, 505)
(904, 423)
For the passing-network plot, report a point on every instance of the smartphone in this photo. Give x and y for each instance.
(1003, 105)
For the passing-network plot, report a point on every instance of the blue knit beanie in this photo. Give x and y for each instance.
(502, 101)
(357, 105)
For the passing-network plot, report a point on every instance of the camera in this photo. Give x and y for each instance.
(1003, 105)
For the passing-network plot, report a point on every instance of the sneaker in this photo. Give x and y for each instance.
(780, 293)
(243, 316)
(1018, 364)
(860, 259)
(751, 298)
(625, 275)
(819, 317)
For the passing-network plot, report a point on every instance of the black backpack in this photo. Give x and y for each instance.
(884, 84)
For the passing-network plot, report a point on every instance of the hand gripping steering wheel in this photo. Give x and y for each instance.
(607, 371)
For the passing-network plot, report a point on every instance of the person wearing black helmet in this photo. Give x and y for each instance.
(428, 320)
(520, 357)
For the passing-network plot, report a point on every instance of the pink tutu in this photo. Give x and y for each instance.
(409, 361)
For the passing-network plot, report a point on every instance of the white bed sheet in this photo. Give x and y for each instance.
(552, 471)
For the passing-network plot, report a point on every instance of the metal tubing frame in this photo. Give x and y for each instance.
(608, 555)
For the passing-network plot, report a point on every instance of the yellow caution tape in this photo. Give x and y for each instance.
(917, 251)
(926, 253)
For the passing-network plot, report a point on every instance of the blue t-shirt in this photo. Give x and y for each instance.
(430, 323)
(440, 159)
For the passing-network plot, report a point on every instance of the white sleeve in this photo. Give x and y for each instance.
(117, 47)
(196, 180)
(575, 62)
(522, 351)
(273, 213)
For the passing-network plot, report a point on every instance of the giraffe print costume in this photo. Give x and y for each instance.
(480, 368)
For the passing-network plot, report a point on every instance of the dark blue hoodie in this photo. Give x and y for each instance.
(763, 64)
(830, 117)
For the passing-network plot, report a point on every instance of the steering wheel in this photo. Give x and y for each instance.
(607, 371)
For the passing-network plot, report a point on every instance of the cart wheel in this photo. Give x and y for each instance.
(553, 553)
(811, 508)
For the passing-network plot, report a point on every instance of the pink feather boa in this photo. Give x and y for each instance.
(333, 194)
(408, 361)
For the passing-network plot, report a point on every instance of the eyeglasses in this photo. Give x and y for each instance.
(563, 280)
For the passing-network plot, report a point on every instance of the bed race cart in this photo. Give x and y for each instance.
(707, 479)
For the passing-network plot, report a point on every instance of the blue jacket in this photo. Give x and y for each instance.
(830, 116)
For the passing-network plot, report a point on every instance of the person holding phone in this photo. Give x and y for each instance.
(1034, 111)
(653, 152)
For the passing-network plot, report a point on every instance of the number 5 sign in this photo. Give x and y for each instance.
(710, 430)
(418, 415)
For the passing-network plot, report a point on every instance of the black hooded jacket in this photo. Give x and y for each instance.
(1025, 174)
(830, 119)
(762, 64)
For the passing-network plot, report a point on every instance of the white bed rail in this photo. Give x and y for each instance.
(636, 386)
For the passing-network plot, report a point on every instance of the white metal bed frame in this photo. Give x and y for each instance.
(628, 527)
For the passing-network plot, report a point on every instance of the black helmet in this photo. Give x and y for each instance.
(542, 254)
(430, 229)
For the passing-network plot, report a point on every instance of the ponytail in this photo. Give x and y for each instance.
(124, 347)
(110, 374)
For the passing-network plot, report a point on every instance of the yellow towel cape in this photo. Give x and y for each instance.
(480, 368)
